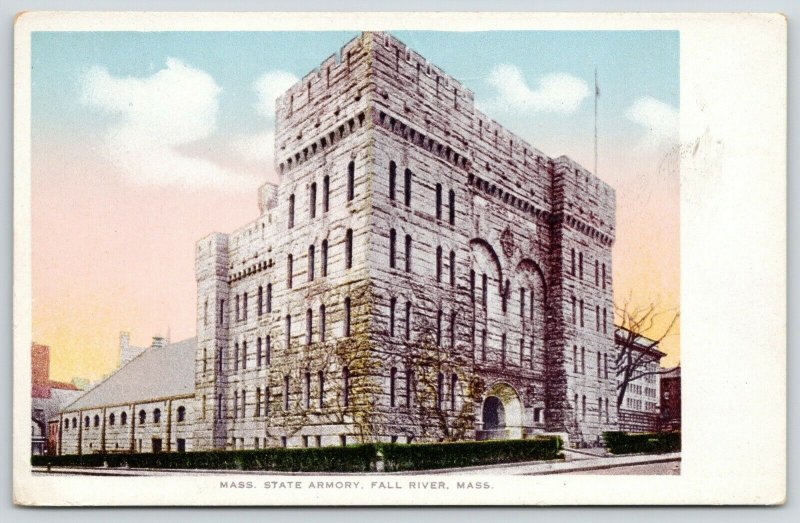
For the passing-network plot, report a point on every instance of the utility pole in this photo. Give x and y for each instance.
(596, 96)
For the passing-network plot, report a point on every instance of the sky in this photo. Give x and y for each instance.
(144, 142)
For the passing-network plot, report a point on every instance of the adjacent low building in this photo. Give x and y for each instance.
(48, 397)
(638, 372)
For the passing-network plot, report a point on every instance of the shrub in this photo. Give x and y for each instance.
(353, 458)
(642, 443)
(420, 456)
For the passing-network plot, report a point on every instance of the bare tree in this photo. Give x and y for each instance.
(637, 346)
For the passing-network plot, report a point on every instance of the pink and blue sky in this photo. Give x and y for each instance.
(143, 142)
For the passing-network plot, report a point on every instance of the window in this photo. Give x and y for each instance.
(598, 364)
(260, 300)
(453, 329)
(452, 207)
(597, 317)
(604, 275)
(259, 352)
(221, 318)
(453, 385)
(236, 356)
(408, 253)
(351, 180)
(244, 306)
(286, 392)
(596, 272)
(321, 381)
(326, 193)
(438, 264)
(312, 201)
(219, 406)
(205, 313)
(268, 349)
(582, 312)
(575, 359)
(472, 286)
(485, 285)
(244, 403)
(392, 247)
(452, 268)
(574, 311)
(289, 270)
(439, 315)
(123, 418)
(235, 404)
(348, 249)
(583, 360)
(438, 201)
(483, 345)
(291, 211)
(142, 417)
(505, 292)
(324, 258)
(439, 390)
(244, 354)
(503, 350)
(309, 326)
(96, 420)
(310, 263)
(409, 385)
(532, 353)
(322, 323)
(181, 442)
(580, 265)
(392, 179)
(288, 331)
(237, 309)
(572, 262)
(407, 188)
(307, 389)
(521, 349)
(157, 416)
(408, 321)
(346, 332)
(392, 385)
(269, 297)
(605, 321)
(345, 387)
(522, 305)
(605, 366)
(392, 307)
(583, 407)
(266, 399)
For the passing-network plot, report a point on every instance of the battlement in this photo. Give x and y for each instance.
(585, 201)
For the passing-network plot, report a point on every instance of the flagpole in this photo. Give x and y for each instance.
(596, 95)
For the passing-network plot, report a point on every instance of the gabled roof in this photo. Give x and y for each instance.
(158, 372)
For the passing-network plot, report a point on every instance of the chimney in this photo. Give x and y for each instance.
(124, 341)
(158, 342)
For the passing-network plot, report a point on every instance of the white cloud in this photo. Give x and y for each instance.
(269, 87)
(554, 92)
(154, 117)
(659, 120)
(255, 148)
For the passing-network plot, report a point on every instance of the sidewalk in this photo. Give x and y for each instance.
(575, 462)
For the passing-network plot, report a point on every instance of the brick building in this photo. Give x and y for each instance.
(48, 397)
(419, 274)
(671, 400)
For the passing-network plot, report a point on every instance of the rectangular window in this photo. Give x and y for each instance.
(407, 187)
(244, 403)
(574, 311)
(483, 345)
(286, 393)
(244, 354)
(235, 357)
(582, 312)
(503, 350)
(326, 190)
(597, 317)
(452, 268)
(348, 249)
(258, 402)
(312, 201)
(291, 211)
(485, 285)
(392, 391)
(604, 275)
(583, 360)
(289, 270)
(453, 330)
(236, 308)
(575, 359)
(408, 321)
(310, 263)
(408, 253)
(235, 404)
(307, 390)
(409, 385)
(439, 328)
(345, 387)
(392, 180)
(572, 262)
(522, 305)
(392, 248)
(452, 208)
(269, 297)
(288, 331)
(438, 264)
(392, 306)
(244, 306)
(605, 321)
(472, 286)
(268, 349)
(596, 272)
(321, 382)
(346, 332)
(438, 201)
(309, 326)
(322, 321)
(351, 181)
(580, 265)
(260, 300)
(324, 258)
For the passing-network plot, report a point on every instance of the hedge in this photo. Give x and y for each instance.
(420, 456)
(642, 443)
(352, 458)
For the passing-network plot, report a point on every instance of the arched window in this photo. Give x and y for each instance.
(485, 285)
(142, 417)
(268, 349)
(157, 416)
(348, 249)
(572, 262)
(259, 352)
(408, 321)
(269, 297)
(408, 253)
(346, 387)
(96, 420)
(112, 419)
(74, 423)
(236, 356)
(392, 247)
(438, 264)
(324, 258)
(392, 386)
(392, 307)
(309, 325)
(181, 413)
(286, 392)
(452, 268)
(310, 263)
(351, 180)
(438, 201)
(288, 330)
(407, 188)
(326, 191)
(307, 389)
(322, 320)
(392, 179)
(244, 354)
(580, 265)
(583, 407)
(581, 311)
(346, 332)
(583, 360)
(312, 201)
(260, 300)
(123, 418)
(452, 207)
(575, 359)
(289, 270)
(574, 311)
(291, 211)
(604, 275)
(65, 424)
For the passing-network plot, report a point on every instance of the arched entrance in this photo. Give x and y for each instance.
(501, 414)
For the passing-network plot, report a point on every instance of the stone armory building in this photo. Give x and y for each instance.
(419, 274)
